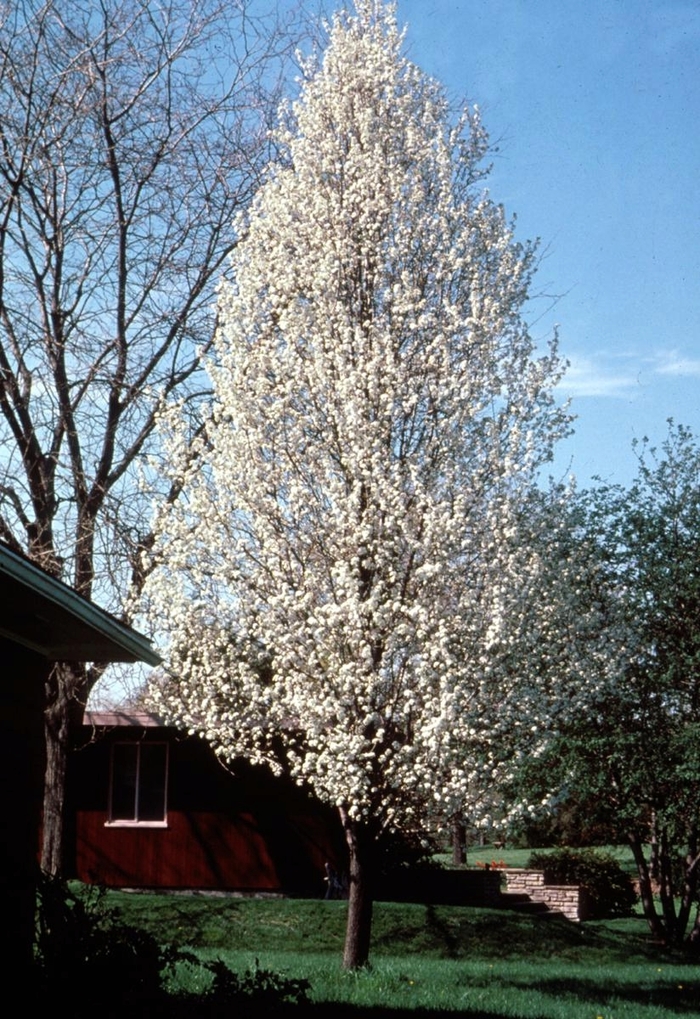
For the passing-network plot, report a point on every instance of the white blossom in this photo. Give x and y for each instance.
(338, 582)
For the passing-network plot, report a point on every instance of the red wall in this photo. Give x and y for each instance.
(246, 831)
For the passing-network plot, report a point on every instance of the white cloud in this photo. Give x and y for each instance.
(601, 376)
(673, 362)
(622, 376)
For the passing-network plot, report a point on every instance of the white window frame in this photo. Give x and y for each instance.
(135, 822)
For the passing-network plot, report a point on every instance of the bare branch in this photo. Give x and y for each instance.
(131, 134)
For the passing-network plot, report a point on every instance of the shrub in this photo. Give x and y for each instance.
(90, 962)
(609, 888)
(81, 944)
(256, 992)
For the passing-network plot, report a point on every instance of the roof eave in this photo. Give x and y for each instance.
(129, 645)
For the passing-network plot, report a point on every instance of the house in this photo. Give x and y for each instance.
(150, 807)
(42, 621)
(154, 808)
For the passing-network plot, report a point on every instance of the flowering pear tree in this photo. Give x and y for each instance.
(338, 571)
(560, 649)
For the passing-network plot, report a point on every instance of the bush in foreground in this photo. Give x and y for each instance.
(87, 956)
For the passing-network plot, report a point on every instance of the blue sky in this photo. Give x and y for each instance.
(595, 108)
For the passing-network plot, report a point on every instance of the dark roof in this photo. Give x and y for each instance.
(135, 719)
(43, 614)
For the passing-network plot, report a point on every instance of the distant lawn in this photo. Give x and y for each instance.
(477, 856)
(427, 960)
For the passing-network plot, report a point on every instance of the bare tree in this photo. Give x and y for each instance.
(130, 134)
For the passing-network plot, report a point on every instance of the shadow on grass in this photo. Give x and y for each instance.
(333, 1011)
(447, 933)
(186, 1008)
(679, 1000)
(673, 1001)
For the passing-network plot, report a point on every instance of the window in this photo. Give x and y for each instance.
(138, 784)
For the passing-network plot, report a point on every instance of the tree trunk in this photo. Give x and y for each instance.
(654, 866)
(645, 890)
(360, 894)
(694, 938)
(668, 902)
(63, 711)
(690, 886)
(459, 842)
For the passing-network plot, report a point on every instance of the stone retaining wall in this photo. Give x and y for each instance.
(569, 900)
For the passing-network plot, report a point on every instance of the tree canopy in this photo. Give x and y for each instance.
(130, 134)
(629, 753)
(338, 572)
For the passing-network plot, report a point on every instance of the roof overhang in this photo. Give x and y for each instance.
(117, 719)
(48, 617)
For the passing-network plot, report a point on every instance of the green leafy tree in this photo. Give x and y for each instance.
(631, 750)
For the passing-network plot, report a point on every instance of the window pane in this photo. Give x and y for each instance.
(151, 802)
(124, 770)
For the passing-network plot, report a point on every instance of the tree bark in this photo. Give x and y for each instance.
(690, 886)
(459, 842)
(668, 902)
(63, 712)
(654, 866)
(645, 891)
(360, 894)
(694, 938)
(56, 731)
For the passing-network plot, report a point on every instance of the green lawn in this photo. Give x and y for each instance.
(427, 960)
(477, 856)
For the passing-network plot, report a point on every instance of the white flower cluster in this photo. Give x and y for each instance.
(339, 582)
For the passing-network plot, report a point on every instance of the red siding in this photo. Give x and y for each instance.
(246, 832)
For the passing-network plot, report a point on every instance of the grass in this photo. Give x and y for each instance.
(432, 960)
(477, 856)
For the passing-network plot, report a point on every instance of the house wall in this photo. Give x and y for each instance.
(247, 831)
(23, 674)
